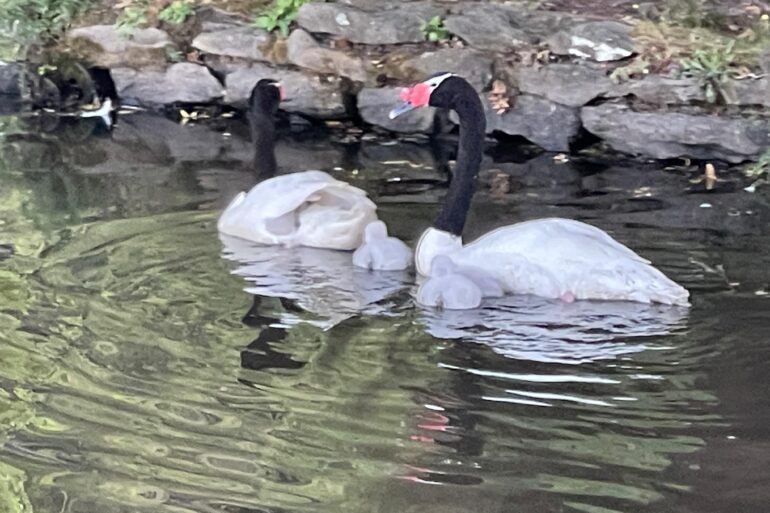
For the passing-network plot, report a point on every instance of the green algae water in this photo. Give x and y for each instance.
(148, 366)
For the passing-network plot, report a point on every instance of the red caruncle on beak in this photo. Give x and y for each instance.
(418, 95)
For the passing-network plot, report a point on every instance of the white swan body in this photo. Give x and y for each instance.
(308, 208)
(555, 258)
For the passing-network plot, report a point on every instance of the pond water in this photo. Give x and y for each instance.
(147, 366)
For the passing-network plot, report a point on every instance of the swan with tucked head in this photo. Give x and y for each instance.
(552, 257)
(307, 208)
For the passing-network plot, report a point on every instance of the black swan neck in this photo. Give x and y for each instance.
(263, 137)
(470, 149)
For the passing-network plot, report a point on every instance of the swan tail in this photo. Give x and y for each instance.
(636, 282)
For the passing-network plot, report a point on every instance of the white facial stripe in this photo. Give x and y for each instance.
(434, 82)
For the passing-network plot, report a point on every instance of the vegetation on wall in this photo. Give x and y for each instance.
(143, 13)
(712, 66)
(279, 15)
(434, 30)
(695, 38)
(760, 168)
(176, 12)
(131, 17)
(25, 22)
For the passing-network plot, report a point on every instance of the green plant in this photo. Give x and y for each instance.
(712, 66)
(176, 12)
(27, 22)
(694, 14)
(279, 15)
(434, 30)
(760, 167)
(174, 55)
(131, 17)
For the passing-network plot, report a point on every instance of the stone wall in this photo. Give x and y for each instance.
(345, 60)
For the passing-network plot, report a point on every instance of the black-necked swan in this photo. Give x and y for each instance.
(552, 257)
(308, 208)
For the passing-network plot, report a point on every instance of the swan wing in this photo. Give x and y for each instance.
(336, 220)
(553, 240)
(309, 208)
(282, 194)
(553, 257)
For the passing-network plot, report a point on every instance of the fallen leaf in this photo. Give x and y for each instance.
(753, 10)
(498, 97)
(193, 56)
(498, 87)
(499, 184)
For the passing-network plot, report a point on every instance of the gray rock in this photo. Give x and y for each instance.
(542, 24)
(241, 42)
(472, 65)
(374, 105)
(663, 135)
(181, 82)
(307, 94)
(662, 90)
(549, 125)
(375, 5)
(374, 28)
(572, 85)
(10, 79)
(748, 92)
(596, 40)
(212, 18)
(104, 46)
(303, 51)
(489, 27)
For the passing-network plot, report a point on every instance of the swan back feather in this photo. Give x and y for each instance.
(308, 208)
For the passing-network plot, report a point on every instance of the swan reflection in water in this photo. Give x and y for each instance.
(452, 413)
(551, 331)
(322, 282)
(536, 357)
(326, 285)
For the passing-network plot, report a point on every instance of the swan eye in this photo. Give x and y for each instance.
(435, 81)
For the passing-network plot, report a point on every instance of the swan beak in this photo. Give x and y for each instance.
(400, 109)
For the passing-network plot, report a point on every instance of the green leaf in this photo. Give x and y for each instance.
(283, 26)
(264, 22)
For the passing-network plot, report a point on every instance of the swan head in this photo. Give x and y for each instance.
(422, 94)
(375, 230)
(265, 97)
